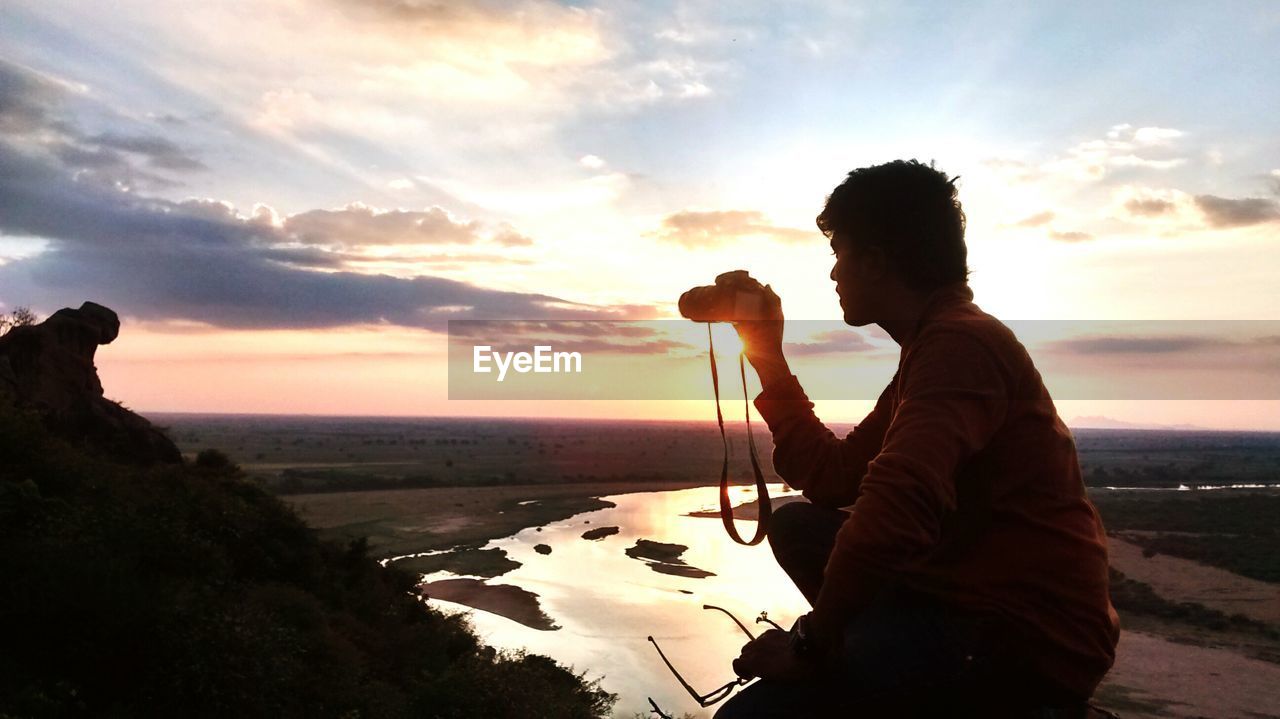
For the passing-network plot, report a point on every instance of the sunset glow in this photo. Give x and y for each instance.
(287, 201)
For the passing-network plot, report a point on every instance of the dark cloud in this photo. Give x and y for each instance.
(704, 229)
(307, 257)
(199, 260)
(1149, 207)
(1226, 212)
(830, 342)
(1134, 345)
(1070, 236)
(157, 151)
(1036, 220)
(25, 100)
(29, 104)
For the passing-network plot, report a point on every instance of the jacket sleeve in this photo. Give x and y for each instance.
(954, 397)
(811, 457)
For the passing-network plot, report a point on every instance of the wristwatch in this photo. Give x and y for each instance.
(802, 641)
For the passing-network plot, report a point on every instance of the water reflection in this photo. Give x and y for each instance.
(606, 603)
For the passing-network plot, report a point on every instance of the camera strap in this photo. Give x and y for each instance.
(726, 507)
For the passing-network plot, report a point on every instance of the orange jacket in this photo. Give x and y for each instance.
(964, 484)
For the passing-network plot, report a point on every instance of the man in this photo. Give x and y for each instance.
(969, 572)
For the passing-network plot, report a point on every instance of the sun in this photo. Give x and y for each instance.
(725, 337)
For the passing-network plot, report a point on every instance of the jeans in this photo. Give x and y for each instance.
(907, 654)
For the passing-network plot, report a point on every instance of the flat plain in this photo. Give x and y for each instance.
(1193, 517)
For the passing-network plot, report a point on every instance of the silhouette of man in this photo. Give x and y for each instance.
(953, 561)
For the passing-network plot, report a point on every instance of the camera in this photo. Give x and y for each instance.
(735, 296)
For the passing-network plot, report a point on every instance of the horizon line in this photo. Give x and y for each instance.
(638, 420)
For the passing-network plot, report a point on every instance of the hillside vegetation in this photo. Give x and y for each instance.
(185, 590)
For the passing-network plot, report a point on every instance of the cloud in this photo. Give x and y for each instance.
(591, 162)
(26, 98)
(1123, 147)
(1221, 212)
(1149, 207)
(830, 342)
(606, 337)
(157, 151)
(662, 347)
(1161, 209)
(708, 228)
(1143, 136)
(1174, 211)
(201, 260)
(1159, 345)
(329, 259)
(577, 328)
(359, 225)
(1036, 220)
(492, 71)
(1071, 236)
(509, 236)
(29, 104)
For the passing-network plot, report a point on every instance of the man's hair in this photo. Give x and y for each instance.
(909, 210)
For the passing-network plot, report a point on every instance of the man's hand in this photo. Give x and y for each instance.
(762, 338)
(769, 656)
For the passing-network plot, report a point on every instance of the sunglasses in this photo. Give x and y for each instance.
(720, 693)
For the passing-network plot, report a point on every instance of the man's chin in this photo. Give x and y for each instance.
(855, 321)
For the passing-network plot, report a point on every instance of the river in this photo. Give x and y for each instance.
(607, 603)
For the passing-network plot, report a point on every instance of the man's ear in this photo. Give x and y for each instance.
(874, 263)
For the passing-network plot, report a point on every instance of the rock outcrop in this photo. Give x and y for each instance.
(48, 368)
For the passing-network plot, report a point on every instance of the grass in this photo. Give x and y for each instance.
(1239, 532)
(1131, 596)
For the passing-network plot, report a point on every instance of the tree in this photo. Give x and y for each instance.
(214, 459)
(17, 317)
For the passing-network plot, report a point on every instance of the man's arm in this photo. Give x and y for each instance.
(810, 457)
(806, 454)
(954, 399)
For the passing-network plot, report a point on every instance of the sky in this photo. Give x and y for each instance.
(287, 201)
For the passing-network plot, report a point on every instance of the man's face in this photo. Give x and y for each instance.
(851, 285)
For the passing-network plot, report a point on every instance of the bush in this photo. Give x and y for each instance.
(214, 459)
(17, 317)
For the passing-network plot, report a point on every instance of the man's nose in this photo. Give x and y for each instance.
(833, 273)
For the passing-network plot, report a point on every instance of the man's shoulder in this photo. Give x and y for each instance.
(965, 328)
(966, 319)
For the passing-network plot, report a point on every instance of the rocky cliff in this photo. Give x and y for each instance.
(48, 368)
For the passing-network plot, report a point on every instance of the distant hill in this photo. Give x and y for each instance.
(1101, 422)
